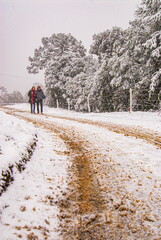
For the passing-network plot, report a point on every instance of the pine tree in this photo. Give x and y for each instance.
(109, 82)
(149, 15)
(61, 58)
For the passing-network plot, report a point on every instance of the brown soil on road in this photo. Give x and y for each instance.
(149, 136)
(96, 204)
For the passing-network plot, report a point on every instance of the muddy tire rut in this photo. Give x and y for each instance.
(96, 204)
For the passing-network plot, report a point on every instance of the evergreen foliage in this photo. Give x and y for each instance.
(125, 59)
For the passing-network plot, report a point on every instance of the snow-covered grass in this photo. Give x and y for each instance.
(15, 136)
(27, 205)
(18, 139)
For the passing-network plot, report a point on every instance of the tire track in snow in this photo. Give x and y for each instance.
(84, 197)
(145, 134)
(83, 212)
(97, 206)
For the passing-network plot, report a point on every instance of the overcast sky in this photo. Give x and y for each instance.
(23, 23)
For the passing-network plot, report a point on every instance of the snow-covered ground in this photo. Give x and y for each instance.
(27, 204)
(149, 120)
(16, 136)
(27, 208)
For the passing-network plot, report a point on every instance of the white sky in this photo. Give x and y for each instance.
(23, 23)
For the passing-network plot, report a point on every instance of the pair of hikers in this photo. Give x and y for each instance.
(36, 97)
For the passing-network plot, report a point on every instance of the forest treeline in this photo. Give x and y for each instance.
(118, 60)
(14, 97)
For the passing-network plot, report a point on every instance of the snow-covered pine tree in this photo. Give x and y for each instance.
(109, 85)
(59, 75)
(61, 58)
(149, 17)
(78, 87)
(130, 59)
(126, 59)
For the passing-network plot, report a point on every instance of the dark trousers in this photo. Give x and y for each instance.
(32, 105)
(40, 103)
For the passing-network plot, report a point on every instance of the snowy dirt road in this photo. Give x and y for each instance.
(99, 181)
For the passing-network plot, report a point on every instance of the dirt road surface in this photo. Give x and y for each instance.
(109, 196)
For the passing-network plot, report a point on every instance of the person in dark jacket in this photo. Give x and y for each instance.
(32, 99)
(39, 97)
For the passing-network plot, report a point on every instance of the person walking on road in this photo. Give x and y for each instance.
(39, 99)
(32, 99)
